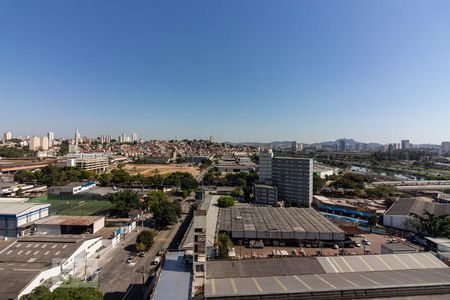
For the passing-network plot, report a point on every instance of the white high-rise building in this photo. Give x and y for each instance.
(134, 137)
(34, 143)
(7, 136)
(51, 138)
(123, 138)
(265, 166)
(105, 139)
(44, 143)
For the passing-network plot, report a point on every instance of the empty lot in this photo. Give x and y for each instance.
(153, 169)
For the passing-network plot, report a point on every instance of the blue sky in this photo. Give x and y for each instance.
(238, 70)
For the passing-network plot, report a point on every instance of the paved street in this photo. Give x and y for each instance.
(117, 275)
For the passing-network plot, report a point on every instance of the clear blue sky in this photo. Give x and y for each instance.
(238, 70)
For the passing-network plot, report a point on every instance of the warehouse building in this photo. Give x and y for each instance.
(401, 214)
(32, 261)
(17, 218)
(70, 224)
(342, 277)
(277, 223)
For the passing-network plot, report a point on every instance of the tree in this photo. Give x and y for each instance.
(388, 202)
(145, 240)
(164, 211)
(125, 200)
(318, 183)
(225, 201)
(373, 220)
(223, 244)
(63, 293)
(429, 224)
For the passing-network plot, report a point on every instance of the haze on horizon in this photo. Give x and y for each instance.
(311, 71)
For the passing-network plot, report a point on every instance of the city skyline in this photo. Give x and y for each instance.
(244, 71)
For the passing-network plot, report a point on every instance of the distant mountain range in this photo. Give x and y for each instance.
(351, 143)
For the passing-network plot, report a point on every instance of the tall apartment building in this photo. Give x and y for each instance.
(265, 166)
(134, 137)
(294, 147)
(342, 145)
(38, 143)
(51, 138)
(293, 178)
(445, 148)
(7, 136)
(105, 139)
(406, 145)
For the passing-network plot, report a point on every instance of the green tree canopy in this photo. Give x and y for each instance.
(223, 244)
(225, 201)
(146, 238)
(126, 200)
(164, 211)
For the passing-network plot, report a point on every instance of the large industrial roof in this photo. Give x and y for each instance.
(275, 219)
(68, 220)
(418, 206)
(13, 208)
(325, 274)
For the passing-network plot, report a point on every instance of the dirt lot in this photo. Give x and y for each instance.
(375, 248)
(153, 169)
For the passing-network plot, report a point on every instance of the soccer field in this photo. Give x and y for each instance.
(76, 207)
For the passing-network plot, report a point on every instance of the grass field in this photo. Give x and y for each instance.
(76, 207)
(153, 169)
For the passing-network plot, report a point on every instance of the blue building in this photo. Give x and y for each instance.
(16, 218)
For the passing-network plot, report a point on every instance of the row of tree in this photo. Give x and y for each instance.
(52, 176)
(64, 293)
(120, 177)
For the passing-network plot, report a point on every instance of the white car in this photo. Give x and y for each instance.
(357, 245)
(336, 247)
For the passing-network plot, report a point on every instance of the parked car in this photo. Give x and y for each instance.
(336, 247)
(357, 244)
(130, 259)
(142, 254)
(156, 261)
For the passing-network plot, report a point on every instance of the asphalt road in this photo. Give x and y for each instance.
(117, 275)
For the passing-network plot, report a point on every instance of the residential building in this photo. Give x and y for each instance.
(7, 136)
(44, 143)
(51, 138)
(35, 143)
(265, 166)
(294, 147)
(105, 139)
(265, 194)
(134, 137)
(342, 145)
(406, 145)
(445, 148)
(293, 178)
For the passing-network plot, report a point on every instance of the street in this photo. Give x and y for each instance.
(117, 275)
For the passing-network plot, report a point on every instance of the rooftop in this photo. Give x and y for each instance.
(314, 275)
(417, 206)
(175, 280)
(14, 208)
(68, 220)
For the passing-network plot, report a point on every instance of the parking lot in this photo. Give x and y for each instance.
(373, 247)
